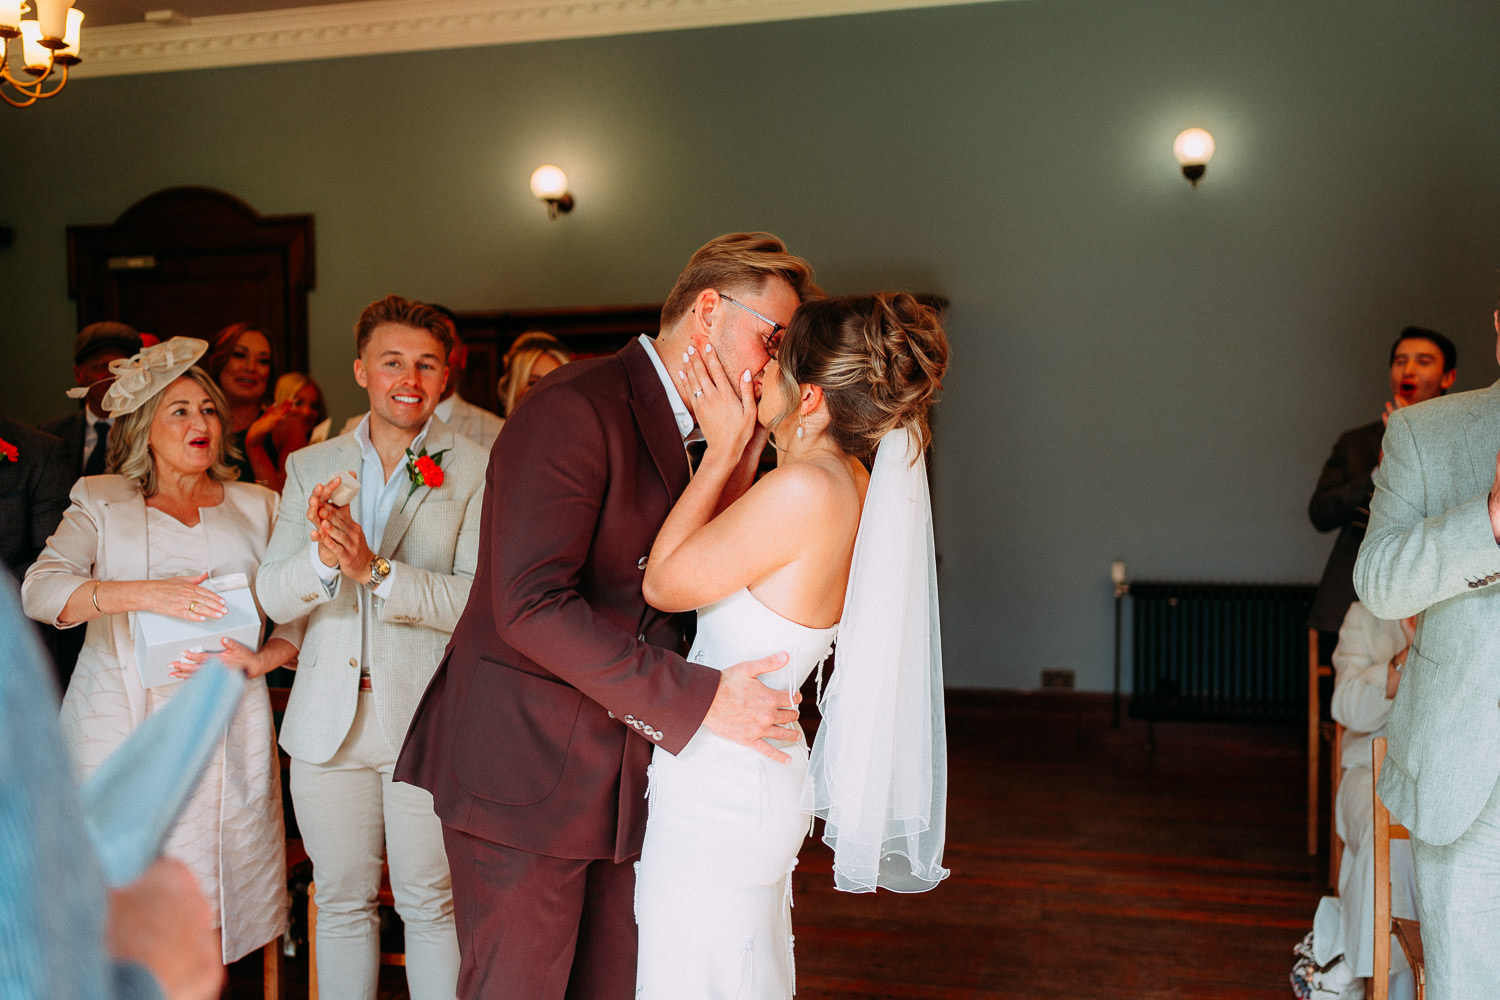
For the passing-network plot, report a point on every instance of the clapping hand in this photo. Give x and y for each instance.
(341, 540)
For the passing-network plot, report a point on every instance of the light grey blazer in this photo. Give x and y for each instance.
(432, 541)
(1430, 550)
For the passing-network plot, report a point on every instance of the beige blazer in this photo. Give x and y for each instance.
(1430, 549)
(473, 422)
(432, 541)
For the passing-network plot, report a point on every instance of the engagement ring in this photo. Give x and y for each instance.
(698, 393)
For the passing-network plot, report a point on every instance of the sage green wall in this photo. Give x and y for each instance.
(1140, 371)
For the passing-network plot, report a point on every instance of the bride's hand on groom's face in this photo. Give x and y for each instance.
(724, 405)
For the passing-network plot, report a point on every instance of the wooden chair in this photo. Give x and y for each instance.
(273, 954)
(1317, 669)
(1335, 776)
(384, 898)
(1408, 932)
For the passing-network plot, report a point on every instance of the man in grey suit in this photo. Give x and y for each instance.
(382, 581)
(1433, 549)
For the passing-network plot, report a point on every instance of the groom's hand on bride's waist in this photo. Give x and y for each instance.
(747, 712)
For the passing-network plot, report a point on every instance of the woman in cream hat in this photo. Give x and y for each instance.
(147, 540)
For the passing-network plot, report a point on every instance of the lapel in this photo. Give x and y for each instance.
(123, 529)
(1482, 433)
(439, 438)
(653, 415)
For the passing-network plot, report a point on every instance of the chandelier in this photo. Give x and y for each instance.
(48, 40)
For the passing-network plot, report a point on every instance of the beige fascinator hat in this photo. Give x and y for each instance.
(139, 378)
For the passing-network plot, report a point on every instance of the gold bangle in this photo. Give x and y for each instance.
(94, 596)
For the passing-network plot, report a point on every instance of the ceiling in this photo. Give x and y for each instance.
(119, 40)
(98, 13)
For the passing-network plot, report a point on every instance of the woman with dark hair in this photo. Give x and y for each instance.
(835, 541)
(241, 362)
(148, 540)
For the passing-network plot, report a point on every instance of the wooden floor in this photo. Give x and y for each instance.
(1088, 862)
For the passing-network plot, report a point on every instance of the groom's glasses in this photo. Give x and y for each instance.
(772, 339)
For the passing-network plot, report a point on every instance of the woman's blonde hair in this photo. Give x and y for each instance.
(521, 359)
(879, 360)
(292, 383)
(130, 439)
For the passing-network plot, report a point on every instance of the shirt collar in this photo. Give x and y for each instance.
(444, 410)
(367, 447)
(686, 425)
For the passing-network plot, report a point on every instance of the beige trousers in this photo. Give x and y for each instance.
(352, 816)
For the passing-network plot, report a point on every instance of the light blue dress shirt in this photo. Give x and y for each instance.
(378, 496)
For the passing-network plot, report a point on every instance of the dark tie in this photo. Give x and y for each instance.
(695, 450)
(95, 465)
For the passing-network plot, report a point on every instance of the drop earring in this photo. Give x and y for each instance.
(799, 427)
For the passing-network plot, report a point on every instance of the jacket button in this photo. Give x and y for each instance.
(641, 562)
(656, 736)
(610, 714)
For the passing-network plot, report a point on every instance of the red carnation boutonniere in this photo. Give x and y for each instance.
(424, 470)
(10, 453)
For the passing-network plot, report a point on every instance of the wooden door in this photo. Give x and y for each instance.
(189, 261)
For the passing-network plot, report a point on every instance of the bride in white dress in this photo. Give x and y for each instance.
(845, 400)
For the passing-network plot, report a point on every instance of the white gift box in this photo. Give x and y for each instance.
(160, 640)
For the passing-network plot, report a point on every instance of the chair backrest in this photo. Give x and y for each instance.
(1385, 832)
(1317, 668)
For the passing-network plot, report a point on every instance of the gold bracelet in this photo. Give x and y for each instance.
(94, 596)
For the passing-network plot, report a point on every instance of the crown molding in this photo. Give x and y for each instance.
(382, 26)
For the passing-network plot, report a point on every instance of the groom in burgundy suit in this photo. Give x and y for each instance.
(535, 733)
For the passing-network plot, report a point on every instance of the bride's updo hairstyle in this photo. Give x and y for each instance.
(879, 360)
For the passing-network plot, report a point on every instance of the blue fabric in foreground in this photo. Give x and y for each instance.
(132, 802)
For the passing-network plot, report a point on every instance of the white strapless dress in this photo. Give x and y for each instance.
(714, 883)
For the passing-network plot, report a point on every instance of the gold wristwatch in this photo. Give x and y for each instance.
(380, 568)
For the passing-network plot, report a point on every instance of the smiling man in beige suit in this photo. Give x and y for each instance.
(383, 583)
(1433, 549)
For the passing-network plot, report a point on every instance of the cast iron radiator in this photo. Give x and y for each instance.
(1219, 651)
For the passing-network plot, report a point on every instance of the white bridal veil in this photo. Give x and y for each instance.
(879, 770)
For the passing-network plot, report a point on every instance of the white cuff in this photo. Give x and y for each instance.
(384, 590)
(328, 574)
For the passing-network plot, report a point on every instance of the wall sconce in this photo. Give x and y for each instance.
(550, 185)
(1193, 148)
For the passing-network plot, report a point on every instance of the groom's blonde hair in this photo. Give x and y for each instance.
(738, 262)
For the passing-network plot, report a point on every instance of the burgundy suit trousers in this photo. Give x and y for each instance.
(539, 927)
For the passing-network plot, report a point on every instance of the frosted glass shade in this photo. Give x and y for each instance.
(37, 57)
(74, 32)
(10, 16)
(549, 183)
(52, 15)
(1193, 147)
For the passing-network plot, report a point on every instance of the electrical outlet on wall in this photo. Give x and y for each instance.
(1057, 679)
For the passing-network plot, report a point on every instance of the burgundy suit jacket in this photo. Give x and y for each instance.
(537, 728)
